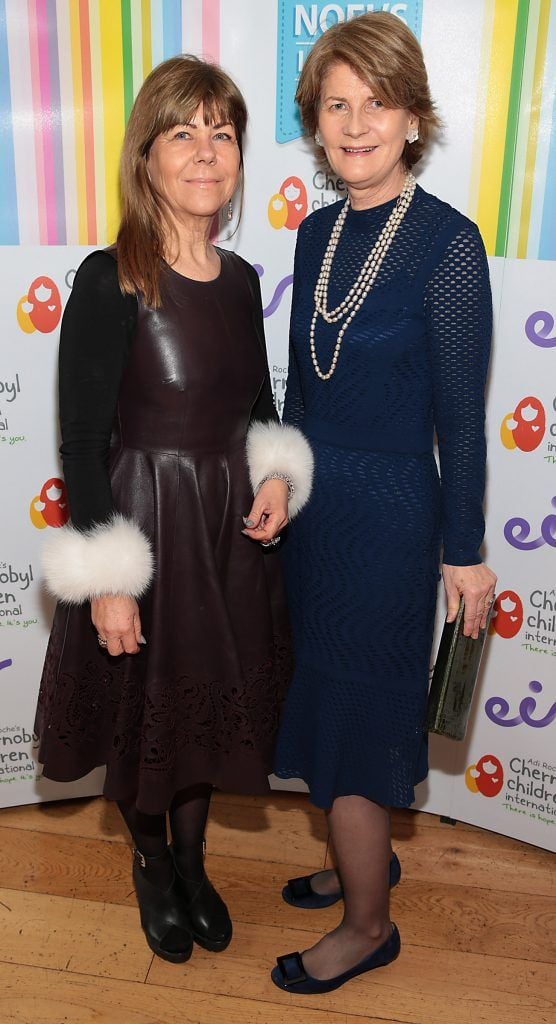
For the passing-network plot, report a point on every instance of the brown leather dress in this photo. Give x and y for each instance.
(201, 701)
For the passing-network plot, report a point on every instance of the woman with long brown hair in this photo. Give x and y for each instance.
(169, 653)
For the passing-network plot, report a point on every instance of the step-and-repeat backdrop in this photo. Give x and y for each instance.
(69, 70)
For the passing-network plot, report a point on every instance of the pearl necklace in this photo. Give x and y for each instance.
(367, 275)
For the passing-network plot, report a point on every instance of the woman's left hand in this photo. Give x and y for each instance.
(475, 583)
(269, 512)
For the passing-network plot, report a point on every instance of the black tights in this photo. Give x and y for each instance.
(188, 818)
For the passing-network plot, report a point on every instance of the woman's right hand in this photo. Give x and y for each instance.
(476, 584)
(116, 619)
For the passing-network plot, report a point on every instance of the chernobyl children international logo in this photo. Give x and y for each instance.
(18, 747)
(16, 587)
(486, 776)
(50, 507)
(534, 617)
(531, 423)
(525, 786)
(288, 207)
(299, 27)
(41, 308)
(10, 393)
(507, 615)
(524, 428)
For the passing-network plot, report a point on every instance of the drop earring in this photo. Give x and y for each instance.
(230, 210)
(412, 134)
(318, 139)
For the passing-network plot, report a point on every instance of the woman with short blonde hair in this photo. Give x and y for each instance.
(390, 336)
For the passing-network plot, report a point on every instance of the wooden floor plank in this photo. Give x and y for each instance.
(474, 859)
(89, 818)
(85, 869)
(282, 798)
(290, 798)
(459, 987)
(423, 987)
(72, 935)
(454, 917)
(435, 913)
(275, 829)
(273, 833)
(477, 914)
(431, 914)
(90, 869)
(97, 818)
(29, 995)
(409, 816)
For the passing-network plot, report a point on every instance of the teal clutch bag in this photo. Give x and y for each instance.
(454, 678)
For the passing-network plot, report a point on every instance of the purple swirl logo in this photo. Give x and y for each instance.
(278, 291)
(517, 530)
(497, 709)
(541, 336)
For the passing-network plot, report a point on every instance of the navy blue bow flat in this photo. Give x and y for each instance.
(290, 974)
(299, 891)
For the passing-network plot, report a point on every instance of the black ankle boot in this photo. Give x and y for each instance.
(209, 919)
(163, 915)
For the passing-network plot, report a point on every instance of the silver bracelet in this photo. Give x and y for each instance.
(279, 476)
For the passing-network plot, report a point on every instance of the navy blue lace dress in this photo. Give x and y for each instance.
(362, 559)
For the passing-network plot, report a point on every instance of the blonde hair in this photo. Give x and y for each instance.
(381, 50)
(170, 95)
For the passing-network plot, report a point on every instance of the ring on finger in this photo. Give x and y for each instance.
(102, 641)
(271, 543)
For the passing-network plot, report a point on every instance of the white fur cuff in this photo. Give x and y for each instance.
(112, 558)
(279, 448)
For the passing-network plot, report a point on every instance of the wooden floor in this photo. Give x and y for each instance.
(476, 912)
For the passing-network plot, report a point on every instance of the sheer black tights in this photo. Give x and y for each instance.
(148, 832)
(188, 819)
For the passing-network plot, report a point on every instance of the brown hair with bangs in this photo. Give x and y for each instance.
(169, 96)
(382, 51)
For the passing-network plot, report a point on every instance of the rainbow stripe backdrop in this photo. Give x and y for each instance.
(513, 188)
(69, 71)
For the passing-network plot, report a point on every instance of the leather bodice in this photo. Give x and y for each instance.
(195, 368)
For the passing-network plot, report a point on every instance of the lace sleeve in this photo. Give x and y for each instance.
(458, 308)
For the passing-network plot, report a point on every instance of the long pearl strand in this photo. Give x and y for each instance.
(358, 292)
